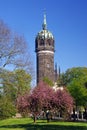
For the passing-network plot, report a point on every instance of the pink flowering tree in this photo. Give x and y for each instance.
(43, 98)
(63, 102)
(22, 104)
(40, 98)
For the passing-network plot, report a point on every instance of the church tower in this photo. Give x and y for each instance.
(44, 48)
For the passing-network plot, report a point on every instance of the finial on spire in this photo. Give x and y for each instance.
(44, 25)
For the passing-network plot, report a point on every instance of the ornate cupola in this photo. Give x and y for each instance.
(44, 48)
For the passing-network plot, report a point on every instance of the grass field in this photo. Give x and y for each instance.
(27, 124)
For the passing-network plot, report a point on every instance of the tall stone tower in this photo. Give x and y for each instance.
(44, 48)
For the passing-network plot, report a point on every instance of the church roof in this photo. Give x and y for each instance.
(44, 33)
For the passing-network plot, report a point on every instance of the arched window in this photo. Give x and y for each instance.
(41, 42)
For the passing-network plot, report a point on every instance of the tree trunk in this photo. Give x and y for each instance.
(34, 119)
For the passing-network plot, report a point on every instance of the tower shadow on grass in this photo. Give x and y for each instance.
(43, 127)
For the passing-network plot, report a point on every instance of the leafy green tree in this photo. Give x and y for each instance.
(79, 92)
(12, 84)
(22, 81)
(76, 81)
(7, 84)
(14, 54)
(79, 73)
(48, 81)
(7, 108)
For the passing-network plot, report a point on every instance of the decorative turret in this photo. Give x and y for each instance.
(44, 39)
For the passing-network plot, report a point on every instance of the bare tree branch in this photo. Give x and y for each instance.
(13, 49)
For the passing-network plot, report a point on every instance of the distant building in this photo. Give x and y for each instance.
(44, 48)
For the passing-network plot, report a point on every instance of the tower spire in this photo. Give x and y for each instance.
(59, 72)
(44, 25)
(56, 72)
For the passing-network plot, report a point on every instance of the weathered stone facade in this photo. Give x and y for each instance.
(44, 49)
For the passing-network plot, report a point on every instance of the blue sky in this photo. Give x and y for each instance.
(66, 19)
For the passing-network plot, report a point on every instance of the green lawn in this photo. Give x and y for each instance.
(27, 124)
